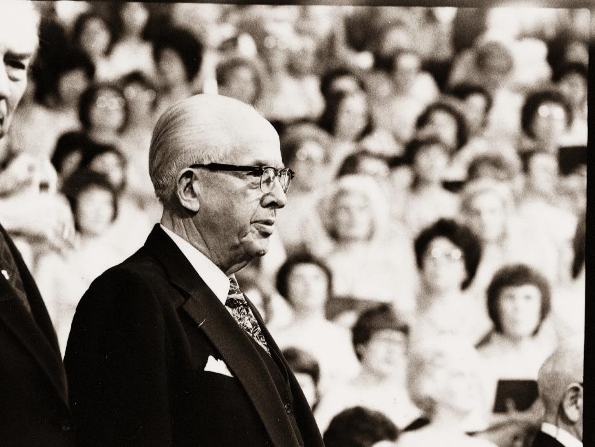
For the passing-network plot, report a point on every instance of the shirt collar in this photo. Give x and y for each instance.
(213, 277)
(561, 435)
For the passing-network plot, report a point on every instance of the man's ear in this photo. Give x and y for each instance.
(573, 402)
(188, 191)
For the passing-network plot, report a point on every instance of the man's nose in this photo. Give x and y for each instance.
(276, 198)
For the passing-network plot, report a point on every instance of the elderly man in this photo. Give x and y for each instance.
(560, 384)
(33, 396)
(164, 348)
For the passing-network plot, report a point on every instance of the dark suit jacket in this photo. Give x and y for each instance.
(136, 356)
(33, 395)
(544, 440)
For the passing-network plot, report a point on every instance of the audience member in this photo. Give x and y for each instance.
(92, 34)
(356, 218)
(443, 376)
(518, 303)
(307, 372)
(63, 278)
(307, 284)
(380, 339)
(572, 80)
(241, 78)
(447, 255)
(359, 427)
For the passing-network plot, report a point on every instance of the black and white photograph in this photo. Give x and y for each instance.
(305, 224)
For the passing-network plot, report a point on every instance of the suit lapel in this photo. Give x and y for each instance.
(35, 330)
(225, 334)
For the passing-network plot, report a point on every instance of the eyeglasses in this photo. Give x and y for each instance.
(267, 174)
(451, 255)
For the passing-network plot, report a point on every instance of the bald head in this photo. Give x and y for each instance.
(563, 368)
(200, 129)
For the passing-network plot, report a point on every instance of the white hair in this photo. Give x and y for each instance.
(22, 14)
(200, 129)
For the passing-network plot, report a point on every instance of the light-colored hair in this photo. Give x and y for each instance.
(200, 129)
(24, 12)
(562, 368)
(434, 354)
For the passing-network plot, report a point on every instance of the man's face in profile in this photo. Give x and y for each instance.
(18, 42)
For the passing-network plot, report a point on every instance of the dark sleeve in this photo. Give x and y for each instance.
(116, 365)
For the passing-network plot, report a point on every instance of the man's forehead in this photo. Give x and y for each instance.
(18, 31)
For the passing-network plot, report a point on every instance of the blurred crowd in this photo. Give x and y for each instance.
(431, 255)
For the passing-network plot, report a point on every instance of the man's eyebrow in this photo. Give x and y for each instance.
(20, 56)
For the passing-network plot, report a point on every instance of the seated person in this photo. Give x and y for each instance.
(518, 301)
(380, 340)
(307, 372)
(444, 381)
(306, 283)
(359, 427)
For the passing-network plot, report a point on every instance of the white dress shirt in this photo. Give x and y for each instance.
(561, 435)
(212, 275)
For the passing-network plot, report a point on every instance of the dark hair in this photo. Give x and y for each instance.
(328, 119)
(494, 160)
(226, 66)
(516, 275)
(460, 235)
(82, 20)
(72, 59)
(416, 144)
(88, 98)
(451, 109)
(101, 150)
(359, 427)
(138, 77)
(82, 180)
(328, 78)
(373, 320)
(301, 361)
(282, 281)
(578, 246)
(527, 156)
(491, 49)
(463, 90)
(534, 100)
(570, 68)
(185, 44)
(352, 162)
(295, 135)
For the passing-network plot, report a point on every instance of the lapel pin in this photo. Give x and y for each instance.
(5, 274)
(199, 324)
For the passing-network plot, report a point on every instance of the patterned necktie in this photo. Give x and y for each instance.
(9, 270)
(236, 303)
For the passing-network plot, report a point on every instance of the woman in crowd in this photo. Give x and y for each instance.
(546, 116)
(306, 283)
(141, 95)
(380, 340)
(427, 199)
(39, 123)
(307, 372)
(356, 218)
(572, 80)
(178, 56)
(131, 51)
(130, 229)
(241, 78)
(63, 278)
(359, 427)
(489, 210)
(103, 113)
(518, 302)
(92, 34)
(287, 98)
(410, 91)
(443, 376)
(348, 120)
(305, 150)
(447, 255)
